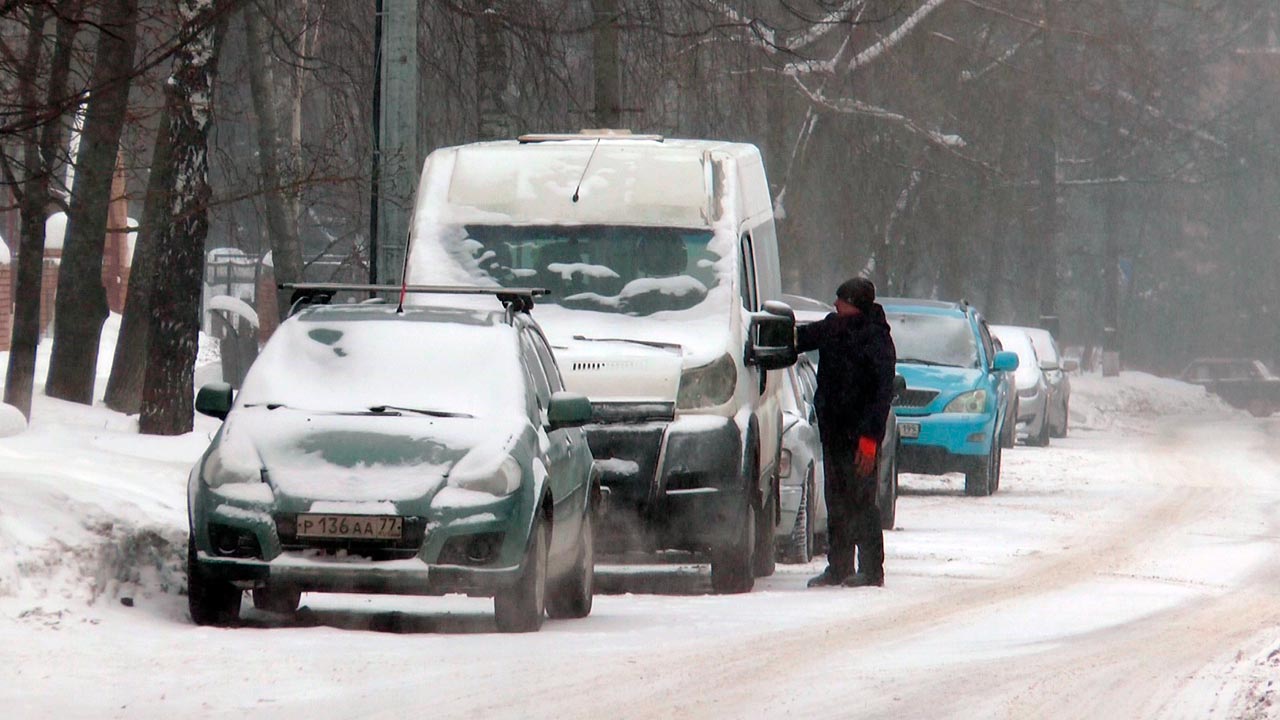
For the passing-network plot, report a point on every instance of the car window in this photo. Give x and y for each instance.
(549, 367)
(988, 346)
(538, 377)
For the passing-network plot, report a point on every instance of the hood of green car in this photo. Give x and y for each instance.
(358, 458)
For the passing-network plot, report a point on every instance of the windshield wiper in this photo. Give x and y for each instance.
(933, 363)
(269, 406)
(649, 343)
(397, 409)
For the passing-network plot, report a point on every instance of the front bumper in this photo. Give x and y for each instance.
(671, 485)
(947, 442)
(435, 557)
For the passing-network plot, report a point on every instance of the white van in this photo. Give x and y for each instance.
(661, 262)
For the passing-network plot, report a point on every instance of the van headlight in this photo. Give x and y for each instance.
(498, 479)
(974, 401)
(708, 385)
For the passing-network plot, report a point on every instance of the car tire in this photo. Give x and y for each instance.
(889, 503)
(981, 478)
(800, 545)
(572, 596)
(211, 602)
(1009, 430)
(1259, 408)
(522, 607)
(1041, 439)
(283, 600)
(1060, 431)
(732, 565)
(765, 561)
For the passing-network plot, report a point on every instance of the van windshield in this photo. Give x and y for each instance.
(620, 269)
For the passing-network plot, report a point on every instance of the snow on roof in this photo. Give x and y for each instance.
(55, 231)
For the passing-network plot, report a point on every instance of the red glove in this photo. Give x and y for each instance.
(865, 459)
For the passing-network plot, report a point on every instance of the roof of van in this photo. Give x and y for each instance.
(595, 179)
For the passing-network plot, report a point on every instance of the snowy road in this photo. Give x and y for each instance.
(1131, 570)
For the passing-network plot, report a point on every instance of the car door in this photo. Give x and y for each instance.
(567, 457)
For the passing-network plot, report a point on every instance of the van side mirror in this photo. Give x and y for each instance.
(568, 410)
(773, 337)
(1005, 361)
(214, 400)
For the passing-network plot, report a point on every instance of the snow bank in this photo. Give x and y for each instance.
(1134, 399)
(11, 421)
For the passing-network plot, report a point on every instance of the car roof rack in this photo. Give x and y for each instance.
(513, 299)
(587, 134)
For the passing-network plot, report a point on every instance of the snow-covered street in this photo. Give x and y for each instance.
(1130, 570)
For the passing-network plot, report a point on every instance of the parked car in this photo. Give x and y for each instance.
(954, 407)
(1056, 370)
(1009, 431)
(1034, 393)
(1243, 383)
(662, 259)
(420, 452)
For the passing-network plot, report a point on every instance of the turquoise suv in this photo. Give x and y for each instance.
(953, 411)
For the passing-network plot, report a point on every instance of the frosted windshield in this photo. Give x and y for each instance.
(933, 340)
(616, 269)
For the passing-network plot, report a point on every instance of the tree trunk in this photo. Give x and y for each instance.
(41, 147)
(282, 229)
(128, 367)
(608, 72)
(174, 331)
(81, 304)
(1045, 162)
(492, 75)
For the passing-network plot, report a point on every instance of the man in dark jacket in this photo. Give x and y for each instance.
(856, 359)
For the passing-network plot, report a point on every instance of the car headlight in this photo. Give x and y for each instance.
(502, 478)
(1029, 392)
(974, 401)
(225, 468)
(708, 385)
(784, 464)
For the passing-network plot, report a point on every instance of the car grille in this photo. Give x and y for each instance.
(911, 398)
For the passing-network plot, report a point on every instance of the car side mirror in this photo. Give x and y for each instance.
(568, 410)
(1005, 361)
(1070, 365)
(214, 400)
(773, 337)
(1049, 365)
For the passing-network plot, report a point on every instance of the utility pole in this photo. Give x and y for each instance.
(397, 158)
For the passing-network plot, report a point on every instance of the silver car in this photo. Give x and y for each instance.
(1056, 370)
(1034, 393)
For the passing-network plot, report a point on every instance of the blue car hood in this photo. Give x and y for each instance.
(948, 380)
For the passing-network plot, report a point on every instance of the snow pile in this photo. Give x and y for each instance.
(11, 421)
(1134, 399)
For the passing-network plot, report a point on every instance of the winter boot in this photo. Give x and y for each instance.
(864, 580)
(826, 579)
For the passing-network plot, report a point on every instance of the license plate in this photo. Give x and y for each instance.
(909, 430)
(370, 527)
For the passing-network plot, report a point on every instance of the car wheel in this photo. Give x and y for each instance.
(1060, 430)
(765, 561)
(211, 602)
(978, 478)
(731, 566)
(571, 596)
(522, 607)
(889, 503)
(800, 546)
(1009, 430)
(1259, 407)
(1041, 439)
(283, 600)
(994, 482)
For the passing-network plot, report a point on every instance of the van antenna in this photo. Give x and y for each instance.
(584, 169)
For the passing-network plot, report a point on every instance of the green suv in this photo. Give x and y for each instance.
(415, 450)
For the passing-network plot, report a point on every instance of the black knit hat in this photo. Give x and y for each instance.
(858, 292)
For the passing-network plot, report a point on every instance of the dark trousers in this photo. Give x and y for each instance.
(853, 518)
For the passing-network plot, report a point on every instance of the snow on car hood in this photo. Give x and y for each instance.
(945, 379)
(357, 458)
